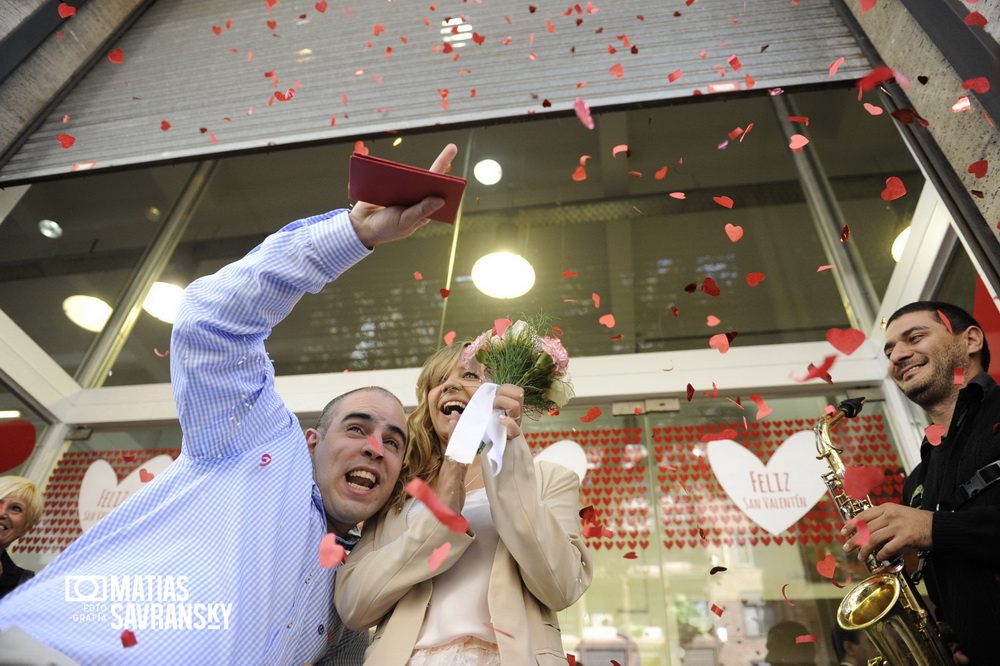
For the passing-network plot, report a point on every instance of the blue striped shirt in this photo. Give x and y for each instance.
(216, 560)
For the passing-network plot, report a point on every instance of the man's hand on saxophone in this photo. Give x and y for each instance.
(893, 527)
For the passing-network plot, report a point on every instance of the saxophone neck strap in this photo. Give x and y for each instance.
(984, 477)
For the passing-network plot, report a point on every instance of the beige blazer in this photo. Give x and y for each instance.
(541, 566)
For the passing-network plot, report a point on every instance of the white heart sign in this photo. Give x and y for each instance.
(775, 495)
(100, 491)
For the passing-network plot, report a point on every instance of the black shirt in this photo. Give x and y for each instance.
(12, 575)
(963, 569)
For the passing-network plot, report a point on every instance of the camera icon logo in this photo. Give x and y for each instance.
(86, 588)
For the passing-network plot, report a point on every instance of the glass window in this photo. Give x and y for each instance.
(21, 428)
(80, 236)
(686, 576)
(640, 235)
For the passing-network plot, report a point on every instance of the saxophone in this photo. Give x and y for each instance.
(886, 605)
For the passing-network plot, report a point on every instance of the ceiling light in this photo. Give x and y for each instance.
(899, 244)
(87, 312)
(503, 275)
(10, 414)
(163, 301)
(50, 229)
(488, 172)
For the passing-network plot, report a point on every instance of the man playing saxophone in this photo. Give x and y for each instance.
(938, 357)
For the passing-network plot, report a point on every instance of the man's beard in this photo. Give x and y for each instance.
(940, 385)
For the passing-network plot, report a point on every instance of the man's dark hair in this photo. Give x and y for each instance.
(323, 423)
(839, 634)
(958, 318)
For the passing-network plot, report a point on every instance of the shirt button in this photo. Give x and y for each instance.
(309, 579)
(290, 624)
(320, 629)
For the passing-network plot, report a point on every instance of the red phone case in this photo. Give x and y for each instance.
(386, 183)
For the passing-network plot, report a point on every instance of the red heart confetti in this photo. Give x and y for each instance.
(630, 555)
(805, 638)
(845, 234)
(728, 433)
(735, 63)
(661, 173)
(873, 110)
(376, 446)
(762, 408)
(754, 279)
(417, 275)
(678, 195)
(979, 84)
(959, 379)
(438, 555)
(862, 533)
(709, 287)
(116, 56)
(597, 302)
(875, 77)
(145, 476)
(674, 75)
(787, 600)
(934, 433)
(979, 169)
(217, 29)
(734, 232)
(164, 125)
(321, 6)
(66, 141)
(272, 25)
(583, 113)
(444, 292)
(712, 320)
(827, 566)
(617, 71)
(500, 326)
(797, 142)
(568, 274)
(723, 201)
(419, 489)
(846, 341)
(580, 174)
(835, 65)
(719, 341)
(592, 414)
(821, 372)
(717, 610)
(894, 189)
(265, 460)
(128, 639)
(65, 11)
(866, 5)
(975, 18)
(331, 553)
(859, 480)
(608, 320)
(499, 631)
(449, 337)
(286, 96)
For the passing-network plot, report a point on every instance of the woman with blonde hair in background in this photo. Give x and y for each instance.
(492, 599)
(21, 505)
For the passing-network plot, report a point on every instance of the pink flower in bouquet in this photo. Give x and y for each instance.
(469, 353)
(556, 351)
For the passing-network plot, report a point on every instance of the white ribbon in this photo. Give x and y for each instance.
(479, 423)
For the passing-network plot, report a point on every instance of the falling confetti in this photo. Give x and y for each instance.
(65, 11)
(821, 372)
(979, 169)
(592, 414)
(787, 600)
(116, 56)
(726, 202)
(762, 408)
(805, 638)
(438, 555)
(583, 113)
(827, 566)
(754, 279)
(419, 489)
(894, 189)
(846, 341)
(607, 320)
(862, 533)
(734, 232)
(959, 379)
(934, 433)
(128, 639)
(66, 141)
(331, 553)
(860, 480)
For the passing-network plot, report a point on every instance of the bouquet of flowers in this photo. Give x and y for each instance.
(519, 354)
